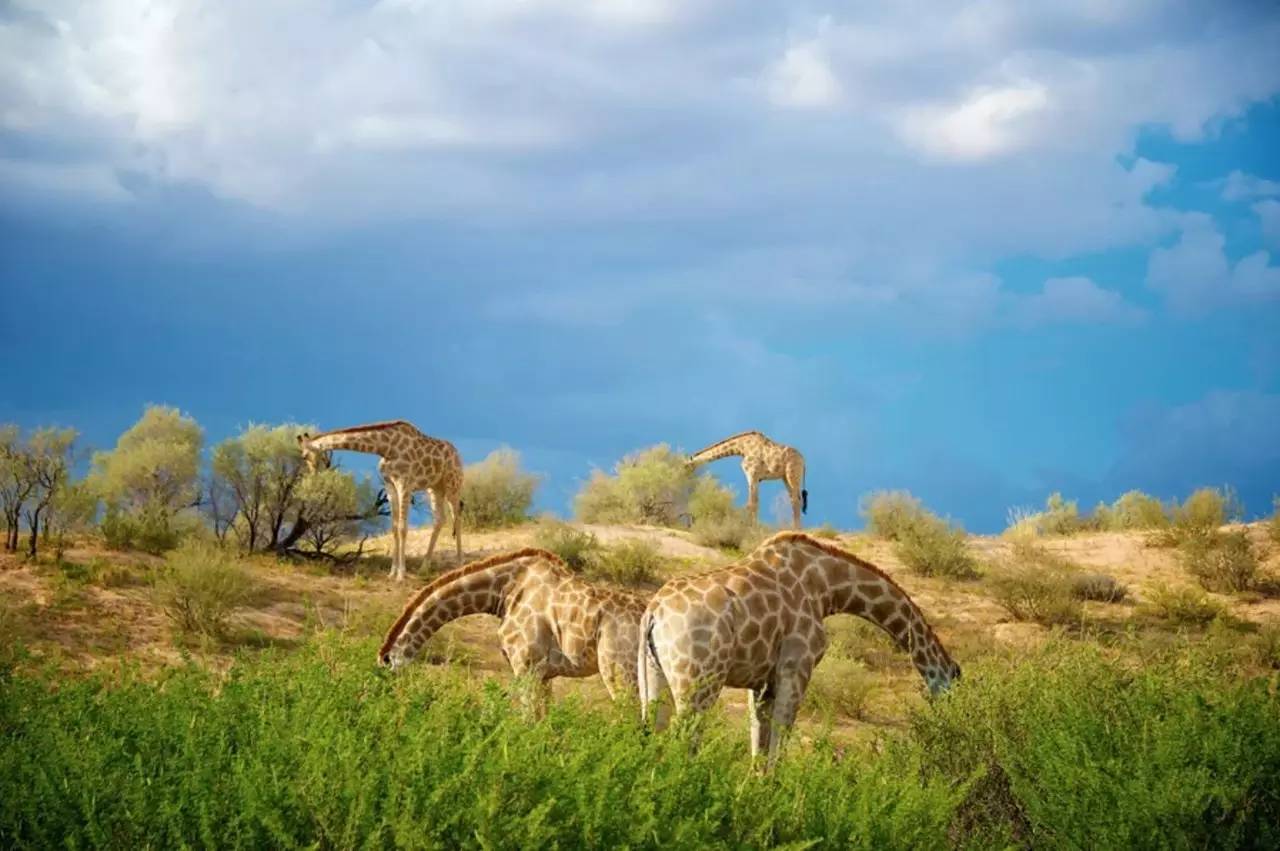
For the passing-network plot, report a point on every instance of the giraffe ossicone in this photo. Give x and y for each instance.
(762, 459)
(410, 461)
(757, 624)
(553, 624)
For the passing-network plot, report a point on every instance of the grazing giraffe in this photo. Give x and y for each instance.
(410, 462)
(757, 624)
(553, 623)
(762, 459)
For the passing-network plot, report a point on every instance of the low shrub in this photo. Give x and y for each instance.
(1196, 520)
(734, 534)
(1273, 525)
(1031, 593)
(890, 513)
(575, 547)
(1137, 510)
(1183, 605)
(1098, 587)
(1063, 747)
(1059, 517)
(826, 530)
(496, 492)
(1221, 561)
(931, 546)
(652, 486)
(633, 561)
(199, 586)
(151, 530)
(841, 688)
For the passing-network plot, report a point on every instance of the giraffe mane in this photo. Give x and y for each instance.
(453, 576)
(833, 550)
(378, 426)
(729, 438)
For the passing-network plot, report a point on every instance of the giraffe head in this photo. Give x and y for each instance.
(939, 670)
(315, 459)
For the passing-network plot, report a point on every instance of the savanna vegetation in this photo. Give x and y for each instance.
(187, 638)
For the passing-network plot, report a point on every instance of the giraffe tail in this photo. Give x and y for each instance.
(804, 496)
(648, 655)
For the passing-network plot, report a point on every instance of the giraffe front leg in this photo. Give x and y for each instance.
(753, 497)
(457, 524)
(393, 494)
(760, 707)
(402, 535)
(790, 691)
(437, 523)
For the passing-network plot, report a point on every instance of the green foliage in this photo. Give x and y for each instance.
(151, 529)
(199, 586)
(1273, 525)
(1137, 510)
(1221, 561)
(923, 541)
(496, 492)
(1072, 750)
(1197, 519)
(319, 748)
(889, 514)
(1031, 592)
(933, 547)
(632, 561)
(652, 486)
(154, 465)
(1183, 605)
(841, 688)
(826, 530)
(1059, 517)
(1098, 587)
(575, 547)
(734, 533)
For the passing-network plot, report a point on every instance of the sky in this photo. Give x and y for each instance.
(982, 251)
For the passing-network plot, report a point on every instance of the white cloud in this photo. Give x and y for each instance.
(984, 123)
(1269, 218)
(1238, 186)
(1074, 300)
(803, 79)
(1195, 275)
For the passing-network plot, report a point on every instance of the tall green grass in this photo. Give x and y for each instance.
(318, 748)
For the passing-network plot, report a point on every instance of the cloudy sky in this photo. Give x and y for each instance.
(982, 251)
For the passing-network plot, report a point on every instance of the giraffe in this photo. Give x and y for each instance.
(410, 462)
(553, 624)
(762, 459)
(757, 624)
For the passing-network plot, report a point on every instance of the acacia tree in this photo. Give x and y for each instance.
(16, 483)
(261, 493)
(153, 472)
(48, 459)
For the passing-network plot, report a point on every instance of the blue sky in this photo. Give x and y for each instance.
(980, 251)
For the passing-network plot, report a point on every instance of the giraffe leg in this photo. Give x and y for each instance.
(393, 494)
(795, 505)
(437, 523)
(791, 684)
(753, 497)
(760, 707)
(402, 536)
(457, 523)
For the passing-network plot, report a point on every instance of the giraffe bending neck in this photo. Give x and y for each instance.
(724, 449)
(474, 589)
(855, 587)
(355, 439)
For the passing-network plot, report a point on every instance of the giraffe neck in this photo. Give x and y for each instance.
(736, 445)
(856, 588)
(351, 441)
(471, 593)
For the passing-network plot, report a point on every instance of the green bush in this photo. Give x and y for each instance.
(319, 748)
(1221, 561)
(1031, 593)
(652, 486)
(496, 492)
(1183, 605)
(933, 547)
(1196, 519)
(199, 586)
(1273, 525)
(734, 533)
(1059, 517)
(632, 561)
(1137, 510)
(1098, 587)
(576, 548)
(151, 529)
(826, 530)
(890, 513)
